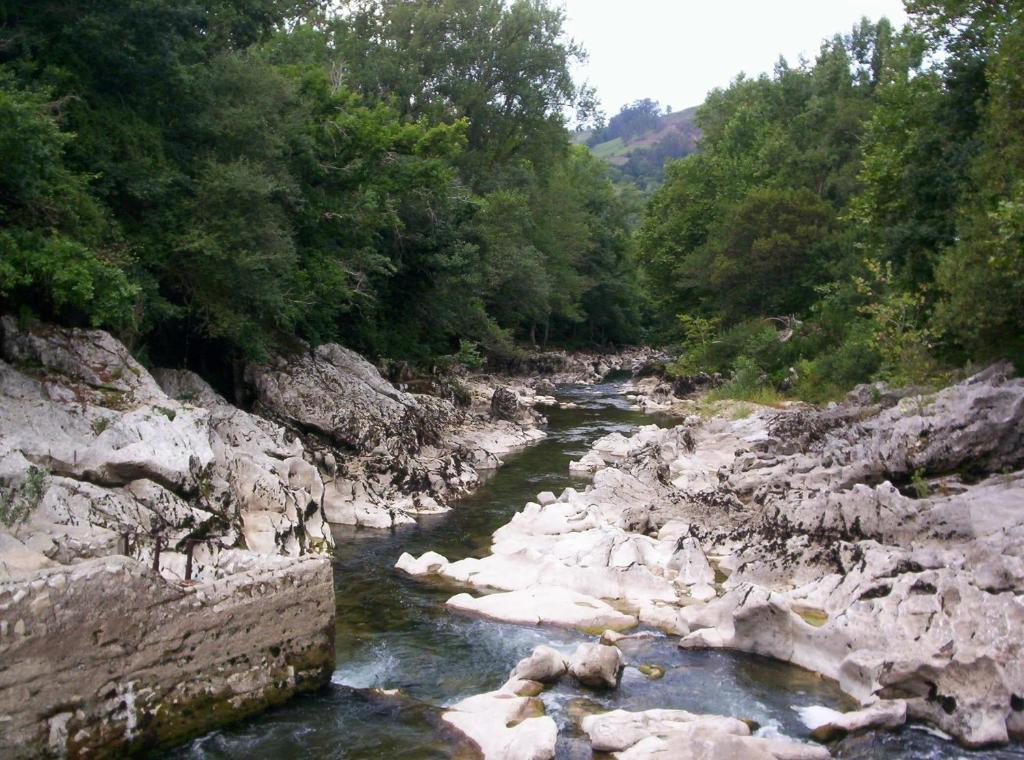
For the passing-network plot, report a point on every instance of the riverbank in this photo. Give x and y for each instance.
(783, 534)
(743, 529)
(403, 658)
(167, 531)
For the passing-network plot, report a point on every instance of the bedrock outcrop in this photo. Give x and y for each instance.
(504, 725)
(582, 367)
(149, 491)
(877, 541)
(168, 570)
(106, 656)
(386, 455)
(126, 461)
(680, 734)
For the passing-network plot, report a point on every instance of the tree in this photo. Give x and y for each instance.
(503, 67)
(632, 120)
(981, 276)
(221, 180)
(771, 254)
(60, 256)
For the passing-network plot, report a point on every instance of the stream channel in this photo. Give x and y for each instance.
(393, 632)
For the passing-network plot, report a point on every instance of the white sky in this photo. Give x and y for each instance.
(675, 51)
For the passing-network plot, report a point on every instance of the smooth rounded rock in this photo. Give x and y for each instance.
(596, 665)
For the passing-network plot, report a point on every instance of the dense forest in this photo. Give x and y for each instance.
(860, 216)
(215, 181)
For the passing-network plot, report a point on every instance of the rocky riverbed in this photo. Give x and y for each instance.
(164, 558)
(213, 561)
(875, 542)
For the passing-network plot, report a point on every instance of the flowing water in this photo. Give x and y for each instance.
(393, 632)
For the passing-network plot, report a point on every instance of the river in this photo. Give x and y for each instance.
(393, 632)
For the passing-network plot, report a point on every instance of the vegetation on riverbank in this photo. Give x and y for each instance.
(859, 217)
(216, 181)
(213, 180)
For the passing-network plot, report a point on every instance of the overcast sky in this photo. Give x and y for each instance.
(674, 51)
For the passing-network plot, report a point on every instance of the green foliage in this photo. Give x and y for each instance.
(748, 383)
(632, 120)
(981, 276)
(919, 484)
(857, 218)
(57, 253)
(837, 368)
(17, 503)
(899, 333)
(768, 256)
(170, 414)
(699, 334)
(216, 181)
(504, 67)
(100, 424)
(469, 355)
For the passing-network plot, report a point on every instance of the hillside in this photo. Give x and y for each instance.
(640, 147)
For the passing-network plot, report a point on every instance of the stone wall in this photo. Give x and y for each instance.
(107, 657)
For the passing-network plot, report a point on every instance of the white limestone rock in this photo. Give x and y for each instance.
(596, 665)
(544, 664)
(428, 563)
(691, 564)
(505, 726)
(827, 724)
(665, 734)
(545, 606)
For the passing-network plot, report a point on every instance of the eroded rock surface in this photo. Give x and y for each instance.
(827, 725)
(505, 726)
(545, 665)
(860, 552)
(680, 734)
(165, 577)
(125, 460)
(578, 366)
(385, 455)
(105, 656)
(547, 606)
(878, 542)
(596, 665)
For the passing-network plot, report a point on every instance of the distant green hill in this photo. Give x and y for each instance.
(640, 139)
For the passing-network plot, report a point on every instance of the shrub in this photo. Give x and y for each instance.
(18, 502)
(747, 384)
(100, 424)
(469, 355)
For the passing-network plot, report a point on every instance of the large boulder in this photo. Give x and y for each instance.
(260, 471)
(873, 542)
(544, 664)
(547, 606)
(155, 662)
(828, 725)
(679, 734)
(338, 396)
(386, 456)
(85, 365)
(154, 524)
(596, 665)
(691, 564)
(505, 726)
(505, 405)
(127, 460)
